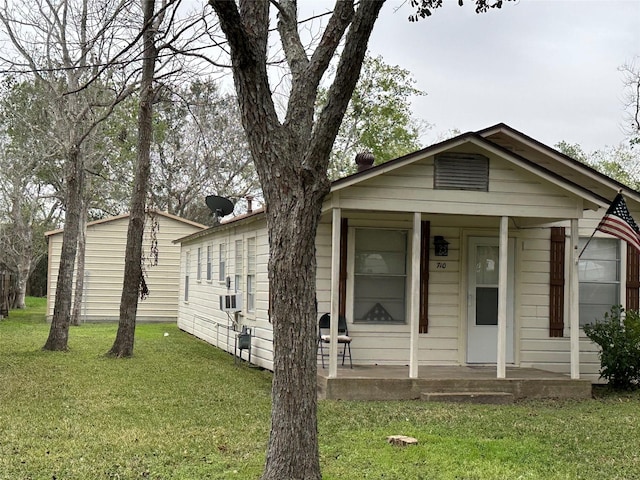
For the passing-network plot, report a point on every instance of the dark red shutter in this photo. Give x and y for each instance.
(556, 283)
(633, 279)
(342, 287)
(424, 277)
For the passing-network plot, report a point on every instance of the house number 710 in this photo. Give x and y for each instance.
(441, 265)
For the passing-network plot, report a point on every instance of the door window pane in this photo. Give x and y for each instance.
(487, 257)
(487, 306)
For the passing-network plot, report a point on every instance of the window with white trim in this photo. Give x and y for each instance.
(599, 277)
(251, 274)
(187, 270)
(222, 262)
(238, 267)
(209, 261)
(380, 276)
(199, 265)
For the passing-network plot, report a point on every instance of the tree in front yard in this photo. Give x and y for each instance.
(291, 154)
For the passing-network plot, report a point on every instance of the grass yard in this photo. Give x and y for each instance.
(181, 409)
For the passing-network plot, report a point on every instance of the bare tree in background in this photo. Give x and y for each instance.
(133, 281)
(201, 149)
(60, 45)
(27, 204)
(631, 79)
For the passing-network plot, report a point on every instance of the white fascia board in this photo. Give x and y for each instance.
(591, 200)
(566, 161)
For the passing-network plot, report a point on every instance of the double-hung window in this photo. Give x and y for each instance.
(222, 271)
(599, 276)
(380, 276)
(187, 270)
(251, 274)
(209, 261)
(238, 266)
(199, 266)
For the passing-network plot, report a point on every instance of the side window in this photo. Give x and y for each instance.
(251, 274)
(238, 267)
(187, 270)
(222, 272)
(199, 265)
(209, 261)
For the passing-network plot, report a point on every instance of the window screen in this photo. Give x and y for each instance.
(599, 275)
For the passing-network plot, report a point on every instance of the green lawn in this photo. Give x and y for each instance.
(181, 409)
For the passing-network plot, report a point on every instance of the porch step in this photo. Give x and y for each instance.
(494, 398)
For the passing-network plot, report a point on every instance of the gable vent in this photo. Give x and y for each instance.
(461, 171)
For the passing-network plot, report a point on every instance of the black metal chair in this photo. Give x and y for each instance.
(324, 337)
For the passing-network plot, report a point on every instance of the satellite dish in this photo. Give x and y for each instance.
(220, 206)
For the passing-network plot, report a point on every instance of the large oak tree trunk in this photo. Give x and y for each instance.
(292, 219)
(292, 157)
(59, 330)
(123, 344)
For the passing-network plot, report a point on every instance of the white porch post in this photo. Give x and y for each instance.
(335, 289)
(574, 302)
(414, 307)
(503, 263)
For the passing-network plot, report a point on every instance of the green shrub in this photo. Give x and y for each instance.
(618, 336)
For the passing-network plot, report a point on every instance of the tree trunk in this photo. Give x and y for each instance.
(22, 246)
(80, 258)
(123, 344)
(293, 442)
(24, 268)
(59, 331)
(291, 158)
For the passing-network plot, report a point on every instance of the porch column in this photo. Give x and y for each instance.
(335, 288)
(414, 306)
(503, 263)
(574, 302)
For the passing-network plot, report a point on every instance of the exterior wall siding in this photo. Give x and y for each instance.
(512, 192)
(201, 316)
(388, 200)
(104, 270)
(537, 349)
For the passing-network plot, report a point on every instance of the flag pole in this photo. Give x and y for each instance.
(587, 244)
(594, 232)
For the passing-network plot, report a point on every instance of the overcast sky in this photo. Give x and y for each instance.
(548, 68)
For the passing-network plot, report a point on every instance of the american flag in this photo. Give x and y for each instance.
(619, 223)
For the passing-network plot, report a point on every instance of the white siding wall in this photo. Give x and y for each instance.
(104, 270)
(388, 201)
(201, 315)
(445, 342)
(513, 192)
(537, 349)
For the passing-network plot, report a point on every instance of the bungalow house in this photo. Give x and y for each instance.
(104, 267)
(464, 253)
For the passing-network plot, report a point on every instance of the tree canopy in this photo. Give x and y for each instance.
(378, 119)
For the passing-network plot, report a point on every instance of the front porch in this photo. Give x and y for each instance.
(373, 382)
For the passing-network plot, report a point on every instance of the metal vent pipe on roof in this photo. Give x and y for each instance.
(364, 160)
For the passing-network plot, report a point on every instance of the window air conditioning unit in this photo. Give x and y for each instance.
(231, 302)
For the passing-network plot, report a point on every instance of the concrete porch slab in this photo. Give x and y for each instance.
(373, 382)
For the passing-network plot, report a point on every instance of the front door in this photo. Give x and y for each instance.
(482, 314)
